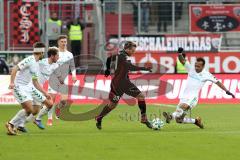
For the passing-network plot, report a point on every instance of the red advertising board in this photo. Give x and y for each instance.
(214, 17)
(158, 89)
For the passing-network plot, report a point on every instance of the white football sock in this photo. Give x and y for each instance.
(178, 113)
(42, 112)
(189, 120)
(174, 115)
(30, 118)
(22, 123)
(50, 112)
(18, 123)
(19, 117)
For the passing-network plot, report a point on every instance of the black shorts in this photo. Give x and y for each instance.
(126, 87)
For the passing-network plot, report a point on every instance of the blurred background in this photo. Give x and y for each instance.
(159, 27)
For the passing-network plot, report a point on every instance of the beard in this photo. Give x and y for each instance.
(41, 57)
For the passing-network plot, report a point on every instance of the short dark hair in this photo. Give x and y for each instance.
(62, 37)
(129, 45)
(200, 59)
(39, 45)
(52, 51)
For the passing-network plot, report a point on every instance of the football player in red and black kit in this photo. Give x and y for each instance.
(121, 84)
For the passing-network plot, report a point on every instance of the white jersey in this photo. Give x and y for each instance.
(28, 70)
(195, 82)
(45, 70)
(66, 60)
(64, 57)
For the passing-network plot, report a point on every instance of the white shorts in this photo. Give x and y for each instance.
(28, 93)
(192, 102)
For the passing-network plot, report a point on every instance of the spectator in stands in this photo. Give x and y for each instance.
(54, 27)
(178, 10)
(164, 15)
(3, 67)
(76, 35)
(14, 60)
(145, 11)
(65, 23)
(135, 13)
(111, 7)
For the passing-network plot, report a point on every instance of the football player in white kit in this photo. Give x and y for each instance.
(26, 88)
(197, 77)
(47, 66)
(65, 61)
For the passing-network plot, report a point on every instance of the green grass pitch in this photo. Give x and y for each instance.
(123, 137)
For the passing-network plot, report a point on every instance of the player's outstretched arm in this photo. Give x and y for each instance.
(73, 70)
(225, 89)
(58, 74)
(13, 76)
(136, 68)
(180, 56)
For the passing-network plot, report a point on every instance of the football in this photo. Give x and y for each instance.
(157, 124)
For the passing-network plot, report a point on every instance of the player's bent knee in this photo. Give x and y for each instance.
(27, 106)
(28, 110)
(179, 112)
(184, 107)
(36, 109)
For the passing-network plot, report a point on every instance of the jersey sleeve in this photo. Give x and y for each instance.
(108, 62)
(129, 65)
(55, 66)
(34, 71)
(211, 78)
(25, 63)
(72, 67)
(56, 70)
(135, 68)
(188, 66)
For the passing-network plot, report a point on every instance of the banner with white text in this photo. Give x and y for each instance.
(169, 43)
(214, 18)
(158, 89)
